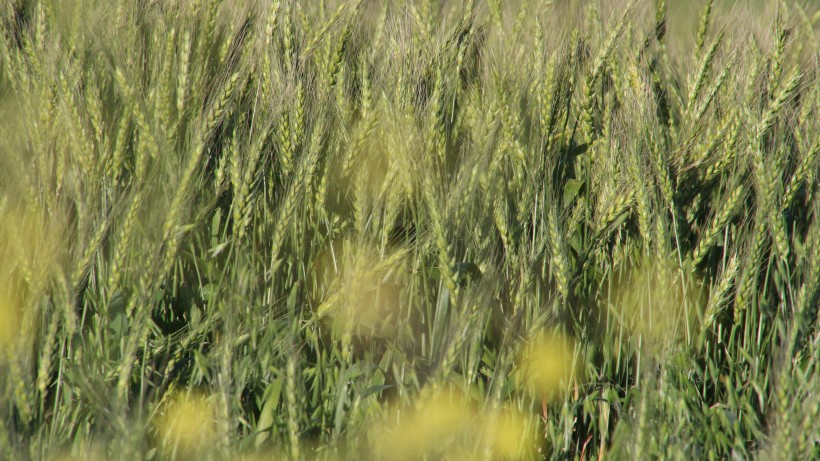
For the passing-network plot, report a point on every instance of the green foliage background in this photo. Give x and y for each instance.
(310, 214)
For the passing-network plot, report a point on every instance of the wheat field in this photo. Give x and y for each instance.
(409, 229)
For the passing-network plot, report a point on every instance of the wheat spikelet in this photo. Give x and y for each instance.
(298, 134)
(511, 126)
(747, 285)
(22, 390)
(240, 188)
(462, 206)
(720, 294)
(586, 124)
(606, 51)
(95, 116)
(559, 267)
(525, 204)
(703, 27)
(320, 34)
(248, 174)
(785, 439)
(778, 230)
(714, 140)
(292, 407)
(719, 222)
(126, 364)
(776, 64)
(766, 174)
(805, 305)
(46, 352)
(363, 131)
(42, 18)
(445, 260)
(9, 65)
(641, 429)
(807, 164)
(120, 144)
(500, 213)
(617, 208)
(752, 93)
(267, 65)
(546, 97)
(469, 17)
(91, 248)
(84, 149)
(183, 73)
(729, 153)
(217, 110)
(776, 105)
(661, 9)
(164, 95)
(300, 183)
(124, 237)
(221, 174)
(807, 425)
(366, 89)
(288, 39)
(338, 57)
(313, 155)
(643, 202)
(286, 210)
(211, 15)
(710, 97)
(434, 127)
(659, 163)
(705, 65)
(170, 237)
(808, 27)
(285, 144)
(137, 113)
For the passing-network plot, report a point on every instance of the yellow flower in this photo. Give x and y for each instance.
(434, 423)
(360, 290)
(32, 251)
(548, 365)
(187, 425)
(10, 318)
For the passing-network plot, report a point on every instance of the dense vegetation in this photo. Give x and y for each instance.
(440, 229)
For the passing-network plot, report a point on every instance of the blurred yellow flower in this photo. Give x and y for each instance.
(509, 434)
(10, 317)
(359, 289)
(548, 365)
(82, 453)
(434, 422)
(446, 424)
(260, 456)
(659, 302)
(32, 251)
(187, 426)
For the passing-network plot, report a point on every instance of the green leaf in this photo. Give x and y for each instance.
(571, 190)
(375, 390)
(272, 395)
